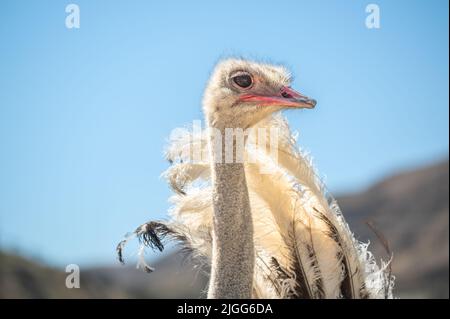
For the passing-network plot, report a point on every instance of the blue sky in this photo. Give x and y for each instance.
(85, 113)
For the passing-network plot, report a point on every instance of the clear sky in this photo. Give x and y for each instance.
(85, 113)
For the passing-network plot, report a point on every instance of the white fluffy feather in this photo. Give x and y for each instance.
(293, 217)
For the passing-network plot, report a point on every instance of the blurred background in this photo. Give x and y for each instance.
(85, 114)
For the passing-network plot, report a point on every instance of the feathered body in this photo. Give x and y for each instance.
(303, 248)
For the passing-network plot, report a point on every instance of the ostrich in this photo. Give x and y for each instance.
(271, 235)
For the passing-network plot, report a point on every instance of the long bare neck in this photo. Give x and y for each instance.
(233, 249)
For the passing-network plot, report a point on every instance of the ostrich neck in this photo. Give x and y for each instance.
(233, 248)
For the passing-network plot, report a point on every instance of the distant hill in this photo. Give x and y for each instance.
(411, 210)
(23, 278)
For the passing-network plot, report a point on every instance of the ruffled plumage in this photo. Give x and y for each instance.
(303, 246)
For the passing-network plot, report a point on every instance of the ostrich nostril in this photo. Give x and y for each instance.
(286, 95)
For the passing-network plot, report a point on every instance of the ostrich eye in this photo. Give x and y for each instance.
(243, 80)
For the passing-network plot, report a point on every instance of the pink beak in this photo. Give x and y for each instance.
(287, 97)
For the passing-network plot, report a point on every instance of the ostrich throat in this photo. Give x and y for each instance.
(233, 249)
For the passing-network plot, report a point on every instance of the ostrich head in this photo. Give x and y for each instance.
(240, 93)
